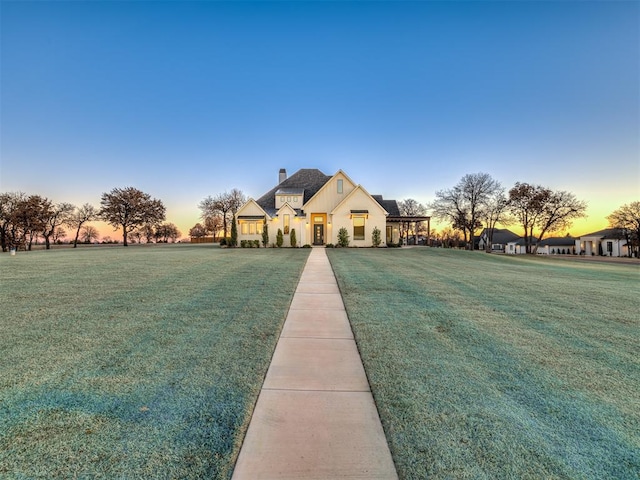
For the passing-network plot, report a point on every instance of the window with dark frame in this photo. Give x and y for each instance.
(358, 228)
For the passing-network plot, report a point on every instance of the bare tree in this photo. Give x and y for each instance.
(79, 217)
(495, 211)
(464, 206)
(627, 219)
(147, 232)
(130, 208)
(224, 204)
(166, 232)
(197, 231)
(54, 216)
(28, 219)
(410, 208)
(89, 234)
(540, 208)
(58, 235)
(9, 203)
(214, 225)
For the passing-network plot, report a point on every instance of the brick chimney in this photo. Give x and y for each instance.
(282, 176)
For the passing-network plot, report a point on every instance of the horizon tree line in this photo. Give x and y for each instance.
(24, 218)
(479, 201)
(476, 201)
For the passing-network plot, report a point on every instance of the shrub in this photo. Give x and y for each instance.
(343, 237)
(256, 243)
(292, 238)
(265, 235)
(234, 234)
(279, 238)
(376, 237)
(330, 245)
(223, 242)
(306, 245)
(243, 244)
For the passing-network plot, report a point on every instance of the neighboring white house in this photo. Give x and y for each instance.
(501, 237)
(518, 247)
(317, 206)
(609, 242)
(557, 246)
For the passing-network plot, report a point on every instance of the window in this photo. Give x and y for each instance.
(243, 228)
(259, 226)
(252, 229)
(318, 219)
(358, 228)
(286, 224)
(609, 247)
(389, 234)
(295, 199)
(282, 199)
(340, 186)
(288, 199)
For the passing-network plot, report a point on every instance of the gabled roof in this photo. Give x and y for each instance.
(317, 192)
(359, 188)
(615, 233)
(310, 180)
(501, 236)
(250, 217)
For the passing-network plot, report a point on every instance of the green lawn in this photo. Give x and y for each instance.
(139, 362)
(490, 367)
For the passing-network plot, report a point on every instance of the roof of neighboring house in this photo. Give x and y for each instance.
(557, 241)
(520, 241)
(309, 180)
(501, 236)
(606, 233)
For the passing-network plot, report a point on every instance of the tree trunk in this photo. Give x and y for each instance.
(75, 240)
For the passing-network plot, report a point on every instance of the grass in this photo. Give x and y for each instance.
(142, 362)
(499, 367)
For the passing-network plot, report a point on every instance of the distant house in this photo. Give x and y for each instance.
(501, 237)
(610, 242)
(518, 247)
(557, 246)
(317, 206)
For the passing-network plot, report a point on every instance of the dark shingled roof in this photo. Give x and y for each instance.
(614, 233)
(502, 236)
(391, 206)
(308, 179)
(557, 241)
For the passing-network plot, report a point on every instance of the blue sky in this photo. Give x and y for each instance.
(188, 99)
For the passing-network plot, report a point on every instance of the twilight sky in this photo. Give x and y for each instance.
(188, 99)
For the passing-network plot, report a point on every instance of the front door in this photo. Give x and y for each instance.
(318, 234)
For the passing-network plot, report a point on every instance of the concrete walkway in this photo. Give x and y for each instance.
(315, 417)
